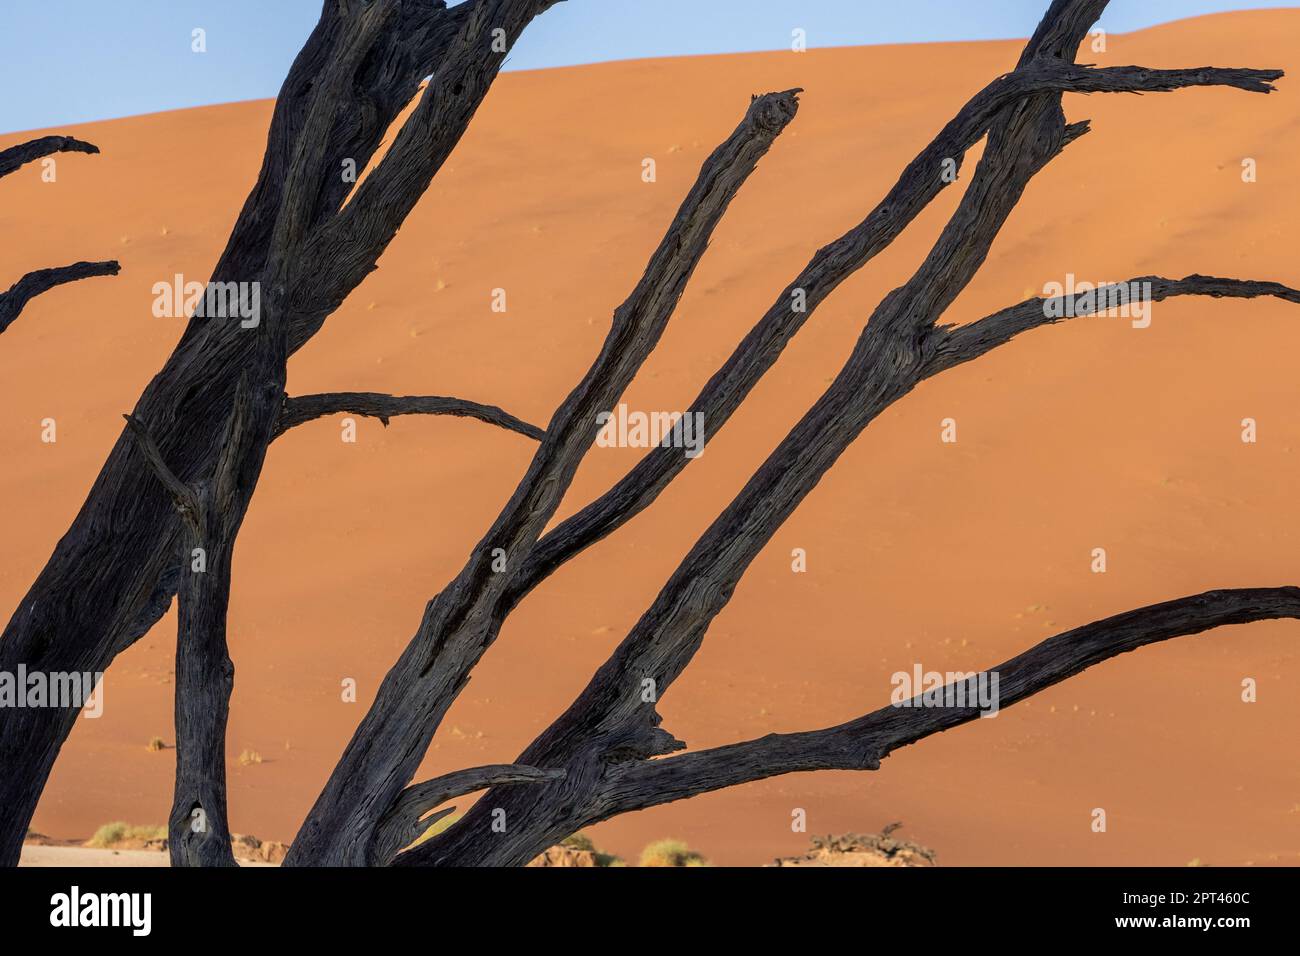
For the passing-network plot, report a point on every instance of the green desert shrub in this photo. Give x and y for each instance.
(580, 841)
(671, 853)
(113, 834)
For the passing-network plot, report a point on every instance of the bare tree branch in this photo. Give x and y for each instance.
(114, 571)
(353, 241)
(461, 622)
(1141, 79)
(42, 280)
(967, 342)
(933, 169)
(406, 820)
(614, 719)
(17, 156)
(213, 509)
(305, 408)
(861, 744)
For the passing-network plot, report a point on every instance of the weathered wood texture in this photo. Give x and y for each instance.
(115, 570)
(461, 622)
(113, 573)
(306, 408)
(606, 739)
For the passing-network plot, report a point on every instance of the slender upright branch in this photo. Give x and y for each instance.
(462, 621)
(353, 240)
(930, 172)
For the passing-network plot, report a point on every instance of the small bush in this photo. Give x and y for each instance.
(582, 842)
(671, 853)
(113, 834)
(156, 743)
(579, 841)
(249, 757)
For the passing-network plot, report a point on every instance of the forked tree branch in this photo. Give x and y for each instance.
(884, 366)
(102, 589)
(966, 342)
(42, 280)
(613, 722)
(932, 170)
(861, 744)
(213, 509)
(407, 821)
(894, 352)
(304, 408)
(463, 619)
(182, 495)
(353, 240)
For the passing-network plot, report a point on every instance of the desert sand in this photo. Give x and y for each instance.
(1090, 434)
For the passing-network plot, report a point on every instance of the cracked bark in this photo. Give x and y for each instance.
(861, 744)
(919, 184)
(606, 738)
(461, 622)
(113, 573)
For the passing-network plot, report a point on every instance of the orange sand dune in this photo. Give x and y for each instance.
(1086, 435)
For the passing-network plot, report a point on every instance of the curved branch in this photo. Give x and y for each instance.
(406, 822)
(966, 342)
(16, 156)
(861, 744)
(305, 408)
(42, 280)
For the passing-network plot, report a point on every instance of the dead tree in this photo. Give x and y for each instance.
(604, 743)
(42, 280)
(310, 249)
(114, 572)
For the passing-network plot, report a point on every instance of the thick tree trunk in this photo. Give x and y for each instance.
(113, 573)
(198, 829)
(212, 511)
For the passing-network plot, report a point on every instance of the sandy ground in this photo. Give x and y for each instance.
(85, 856)
(36, 855)
(957, 556)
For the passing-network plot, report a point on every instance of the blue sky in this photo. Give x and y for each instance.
(68, 61)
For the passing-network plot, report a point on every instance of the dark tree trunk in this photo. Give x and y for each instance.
(113, 573)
